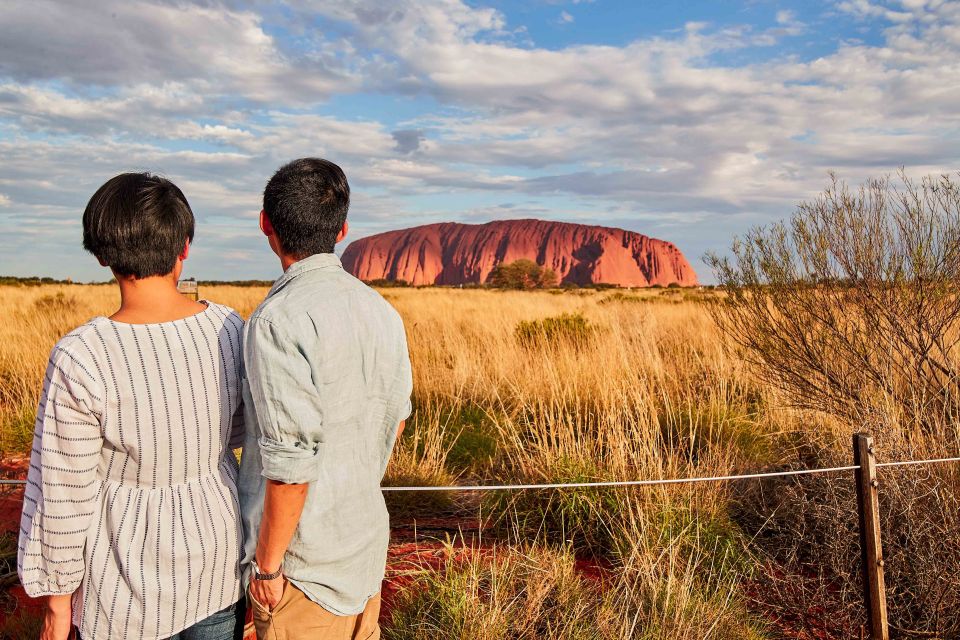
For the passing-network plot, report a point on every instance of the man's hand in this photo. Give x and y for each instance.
(57, 621)
(268, 592)
(282, 506)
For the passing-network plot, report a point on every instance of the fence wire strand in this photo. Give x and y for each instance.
(632, 483)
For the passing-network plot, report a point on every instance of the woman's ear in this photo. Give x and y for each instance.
(343, 231)
(186, 251)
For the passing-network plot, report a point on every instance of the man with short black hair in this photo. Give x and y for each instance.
(327, 392)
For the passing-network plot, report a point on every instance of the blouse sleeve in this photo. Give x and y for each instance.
(62, 483)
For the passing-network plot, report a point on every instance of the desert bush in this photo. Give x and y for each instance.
(851, 311)
(852, 308)
(568, 328)
(522, 274)
(808, 527)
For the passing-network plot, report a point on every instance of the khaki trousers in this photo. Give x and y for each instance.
(296, 617)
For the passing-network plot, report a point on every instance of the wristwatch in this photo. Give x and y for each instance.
(266, 576)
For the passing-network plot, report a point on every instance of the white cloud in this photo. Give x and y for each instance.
(868, 9)
(652, 132)
(565, 18)
(211, 48)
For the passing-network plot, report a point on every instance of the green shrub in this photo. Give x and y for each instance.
(522, 274)
(472, 440)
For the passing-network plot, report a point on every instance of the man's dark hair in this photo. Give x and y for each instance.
(306, 202)
(137, 224)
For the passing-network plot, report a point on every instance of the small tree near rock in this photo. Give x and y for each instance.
(522, 274)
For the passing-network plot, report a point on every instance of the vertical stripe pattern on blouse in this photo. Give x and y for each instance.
(131, 501)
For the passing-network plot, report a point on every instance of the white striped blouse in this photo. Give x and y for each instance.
(131, 500)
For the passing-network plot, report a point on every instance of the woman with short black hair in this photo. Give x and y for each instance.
(130, 520)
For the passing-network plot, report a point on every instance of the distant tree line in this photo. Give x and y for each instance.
(31, 281)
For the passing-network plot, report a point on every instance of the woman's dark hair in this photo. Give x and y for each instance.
(306, 202)
(137, 224)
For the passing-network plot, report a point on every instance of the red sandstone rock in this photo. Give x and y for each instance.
(453, 253)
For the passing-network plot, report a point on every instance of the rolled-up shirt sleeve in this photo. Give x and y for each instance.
(62, 484)
(285, 404)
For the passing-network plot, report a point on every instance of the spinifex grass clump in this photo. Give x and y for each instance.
(567, 328)
(680, 574)
(524, 593)
(673, 575)
(576, 517)
(419, 460)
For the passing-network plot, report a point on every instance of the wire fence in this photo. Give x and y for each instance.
(629, 483)
(866, 467)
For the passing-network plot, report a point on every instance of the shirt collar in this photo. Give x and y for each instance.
(324, 261)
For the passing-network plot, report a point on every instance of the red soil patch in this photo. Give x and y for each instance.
(11, 496)
(11, 503)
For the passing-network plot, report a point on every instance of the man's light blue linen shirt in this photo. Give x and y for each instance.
(327, 382)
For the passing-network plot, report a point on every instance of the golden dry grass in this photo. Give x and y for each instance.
(35, 318)
(647, 392)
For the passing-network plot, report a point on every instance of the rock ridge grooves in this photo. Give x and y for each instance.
(451, 253)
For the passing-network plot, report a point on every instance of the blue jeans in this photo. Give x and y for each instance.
(223, 625)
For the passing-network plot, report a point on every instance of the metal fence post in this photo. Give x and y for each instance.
(871, 551)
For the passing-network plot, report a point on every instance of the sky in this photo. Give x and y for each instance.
(691, 121)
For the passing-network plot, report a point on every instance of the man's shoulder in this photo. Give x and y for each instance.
(320, 294)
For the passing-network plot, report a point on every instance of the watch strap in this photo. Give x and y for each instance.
(266, 576)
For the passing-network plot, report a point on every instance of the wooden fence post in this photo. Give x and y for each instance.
(871, 551)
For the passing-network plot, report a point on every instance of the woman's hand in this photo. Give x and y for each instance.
(58, 620)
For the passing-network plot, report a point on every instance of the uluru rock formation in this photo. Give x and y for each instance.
(452, 253)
